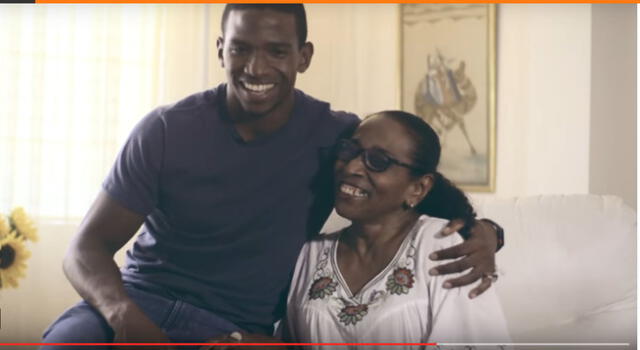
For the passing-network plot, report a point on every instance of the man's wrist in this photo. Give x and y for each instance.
(116, 313)
(499, 232)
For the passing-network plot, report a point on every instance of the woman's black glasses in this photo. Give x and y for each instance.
(375, 160)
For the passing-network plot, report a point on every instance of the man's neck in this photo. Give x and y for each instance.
(252, 127)
(267, 125)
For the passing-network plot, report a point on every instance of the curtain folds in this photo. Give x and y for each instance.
(76, 78)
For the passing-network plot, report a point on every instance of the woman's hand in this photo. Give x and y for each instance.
(241, 337)
(477, 253)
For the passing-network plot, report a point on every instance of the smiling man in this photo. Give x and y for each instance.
(229, 183)
(262, 56)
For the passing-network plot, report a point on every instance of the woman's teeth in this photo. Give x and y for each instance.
(352, 191)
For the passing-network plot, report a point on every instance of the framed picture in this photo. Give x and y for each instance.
(448, 78)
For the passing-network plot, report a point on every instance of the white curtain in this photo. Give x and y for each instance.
(75, 79)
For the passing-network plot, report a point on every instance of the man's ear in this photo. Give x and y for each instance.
(420, 188)
(306, 53)
(220, 46)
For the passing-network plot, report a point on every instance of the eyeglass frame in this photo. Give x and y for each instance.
(365, 153)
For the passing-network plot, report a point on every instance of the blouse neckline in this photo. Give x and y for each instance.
(373, 281)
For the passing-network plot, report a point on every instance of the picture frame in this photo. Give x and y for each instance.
(447, 77)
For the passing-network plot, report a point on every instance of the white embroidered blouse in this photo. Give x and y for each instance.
(402, 304)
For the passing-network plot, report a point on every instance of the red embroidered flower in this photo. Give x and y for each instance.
(352, 314)
(400, 281)
(322, 287)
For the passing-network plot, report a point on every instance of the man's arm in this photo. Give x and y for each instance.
(477, 252)
(91, 269)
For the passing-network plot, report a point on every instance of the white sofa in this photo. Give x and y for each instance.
(568, 272)
(568, 269)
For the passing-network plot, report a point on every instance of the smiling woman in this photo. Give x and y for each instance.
(372, 281)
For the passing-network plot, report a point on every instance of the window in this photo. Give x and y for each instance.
(76, 79)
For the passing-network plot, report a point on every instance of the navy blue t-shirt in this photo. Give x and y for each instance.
(225, 219)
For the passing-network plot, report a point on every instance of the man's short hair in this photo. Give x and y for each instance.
(297, 10)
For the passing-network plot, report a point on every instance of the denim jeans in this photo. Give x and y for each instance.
(182, 322)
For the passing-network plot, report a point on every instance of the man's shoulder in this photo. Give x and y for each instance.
(326, 115)
(180, 117)
(194, 102)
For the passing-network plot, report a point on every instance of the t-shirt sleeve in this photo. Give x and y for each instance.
(134, 179)
(351, 122)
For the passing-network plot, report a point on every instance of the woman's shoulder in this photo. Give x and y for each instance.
(429, 232)
(322, 240)
(315, 251)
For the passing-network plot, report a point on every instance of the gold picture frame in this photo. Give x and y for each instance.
(447, 77)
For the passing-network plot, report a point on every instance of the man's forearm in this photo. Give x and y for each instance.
(95, 276)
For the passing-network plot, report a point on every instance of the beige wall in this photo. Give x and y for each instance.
(613, 149)
(355, 65)
(543, 99)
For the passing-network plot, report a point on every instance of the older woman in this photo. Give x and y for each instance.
(370, 281)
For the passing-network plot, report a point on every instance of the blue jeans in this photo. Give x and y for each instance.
(182, 322)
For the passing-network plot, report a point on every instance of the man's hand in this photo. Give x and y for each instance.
(476, 253)
(242, 337)
(131, 325)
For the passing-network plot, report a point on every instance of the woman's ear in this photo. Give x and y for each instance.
(420, 189)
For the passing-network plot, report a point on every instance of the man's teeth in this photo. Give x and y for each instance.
(258, 87)
(352, 191)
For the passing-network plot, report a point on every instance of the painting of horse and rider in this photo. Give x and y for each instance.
(448, 78)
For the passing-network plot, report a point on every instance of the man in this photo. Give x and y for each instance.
(229, 183)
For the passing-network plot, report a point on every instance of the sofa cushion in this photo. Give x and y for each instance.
(568, 267)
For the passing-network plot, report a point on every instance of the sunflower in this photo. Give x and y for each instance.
(13, 257)
(23, 225)
(4, 227)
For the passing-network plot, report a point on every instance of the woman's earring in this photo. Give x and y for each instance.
(406, 205)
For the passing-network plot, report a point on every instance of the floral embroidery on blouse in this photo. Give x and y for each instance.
(354, 309)
(322, 287)
(400, 281)
(352, 314)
